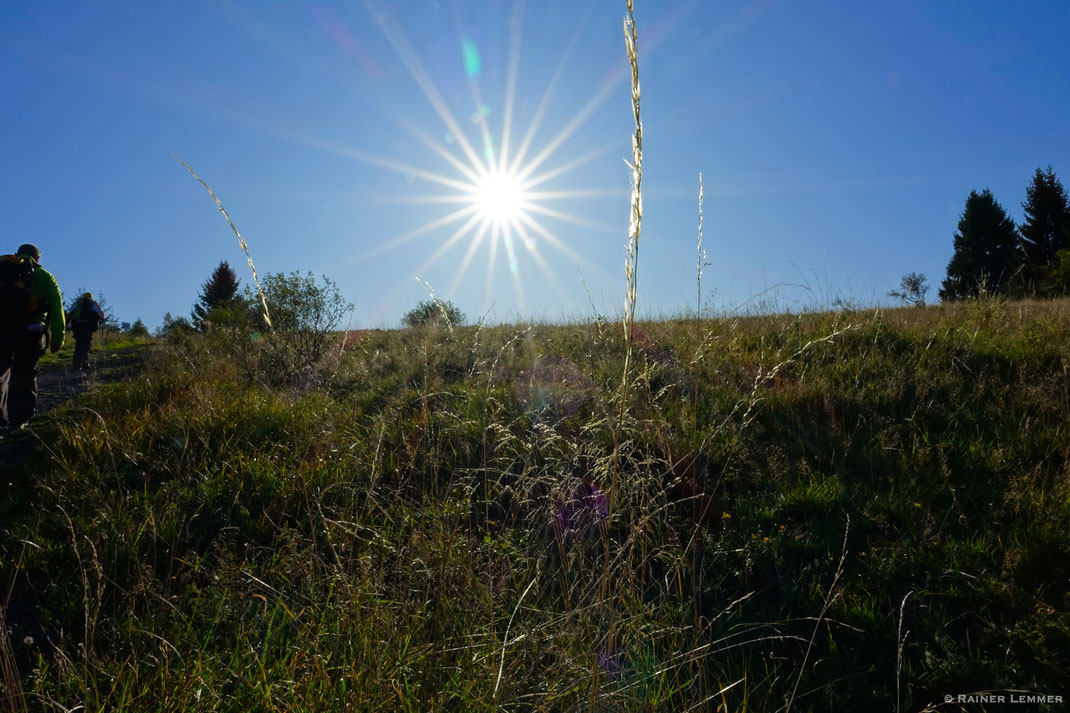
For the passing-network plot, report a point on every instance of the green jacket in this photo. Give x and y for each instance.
(47, 290)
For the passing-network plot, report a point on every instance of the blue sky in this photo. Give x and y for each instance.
(837, 140)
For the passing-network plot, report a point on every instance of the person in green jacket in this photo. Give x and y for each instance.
(31, 322)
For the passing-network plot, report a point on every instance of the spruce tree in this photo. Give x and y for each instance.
(1046, 229)
(218, 291)
(987, 250)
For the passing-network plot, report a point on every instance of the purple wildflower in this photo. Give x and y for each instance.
(586, 507)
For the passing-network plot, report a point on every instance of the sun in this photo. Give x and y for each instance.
(499, 197)
(499, 187)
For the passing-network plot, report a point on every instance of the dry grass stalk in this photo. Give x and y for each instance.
(901, 640)
(438, 303)
(635, 220)
(12, 696)
(241, 240)
(701, 259)
(631, 262)
(505, 640)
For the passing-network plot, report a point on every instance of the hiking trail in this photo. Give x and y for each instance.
(57, 383)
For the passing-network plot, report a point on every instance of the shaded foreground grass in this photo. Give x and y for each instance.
(429, 528)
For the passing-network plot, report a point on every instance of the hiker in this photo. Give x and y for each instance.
(31, 321)
(84, 319)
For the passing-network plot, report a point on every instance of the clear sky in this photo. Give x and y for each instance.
(838, 141)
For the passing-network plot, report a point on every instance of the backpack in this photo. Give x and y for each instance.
(18, 302)
(85, 314)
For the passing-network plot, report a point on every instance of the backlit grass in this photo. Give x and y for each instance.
(430, 527)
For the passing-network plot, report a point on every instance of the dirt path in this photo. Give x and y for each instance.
(58, 383)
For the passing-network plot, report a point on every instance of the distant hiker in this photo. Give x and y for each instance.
(84, 319)
(31, 322)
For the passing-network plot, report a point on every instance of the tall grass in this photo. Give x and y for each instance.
(635, 222)
(700, 259)
(431, 527)
(635, 219)
(12, 695)
(427, 529)
(241, 240)
(609, 637)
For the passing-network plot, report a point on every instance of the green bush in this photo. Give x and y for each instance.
(174, 326)
(304, 316)
(434, 313)
(138, 329)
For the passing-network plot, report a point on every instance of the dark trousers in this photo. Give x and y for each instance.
(20, 349)
(83, 339)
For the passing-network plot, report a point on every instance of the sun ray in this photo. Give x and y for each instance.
(468, 255)
(411, 60)
(281, 127)
(437, 148)
(422, 200)
(494, 189)
(394, 116)
(397, 118)
(448, 243)
(618, 75)
(544, 103)
(417, 232)
(477, 95)
(396, 166)
(431, 259)
(540, 261)
(568, 218)
(564, 247)
(514, 266)
(577, 193)
(566, 167)
(515, 35)
(492, 257)
(571, 128)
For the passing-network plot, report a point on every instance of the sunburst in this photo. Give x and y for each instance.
(498, 195)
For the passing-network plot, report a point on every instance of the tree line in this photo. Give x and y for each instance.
(300, 300)
(991, 256)
(994, 256)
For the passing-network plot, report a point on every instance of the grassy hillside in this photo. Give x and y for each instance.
(842, 511)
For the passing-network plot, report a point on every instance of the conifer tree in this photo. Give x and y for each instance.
(987, 250)
(218, 291)
(1046, 229)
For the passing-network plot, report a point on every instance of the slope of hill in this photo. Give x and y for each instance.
(808, 512)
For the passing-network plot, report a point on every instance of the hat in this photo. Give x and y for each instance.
(31, 250)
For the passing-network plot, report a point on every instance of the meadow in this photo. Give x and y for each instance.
(858, 509)
(851, 509)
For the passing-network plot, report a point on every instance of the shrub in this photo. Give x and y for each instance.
(138, 329)
(304, 315)
(173, 326)
(434, 313)
(912, 289)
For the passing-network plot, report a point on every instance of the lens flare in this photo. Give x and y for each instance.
(470, 52)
